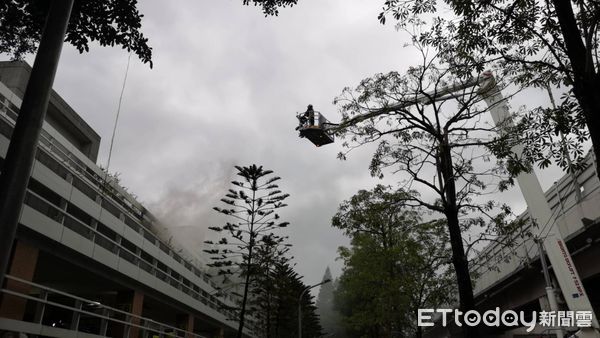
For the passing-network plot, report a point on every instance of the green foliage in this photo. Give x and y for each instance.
(270, 7)
(541, 44)
(109, 22)
(250, 248)
(396, 264)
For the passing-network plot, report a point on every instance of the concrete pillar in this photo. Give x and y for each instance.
(186, 322)
(131, 302)
(22, 265)
(136, 309)
(190, 325)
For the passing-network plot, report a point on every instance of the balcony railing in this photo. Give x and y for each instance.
(78, 314)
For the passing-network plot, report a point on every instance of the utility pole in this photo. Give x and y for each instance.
(300, 305)
(24, 140)
(549, 288)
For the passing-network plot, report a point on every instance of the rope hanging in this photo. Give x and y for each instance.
(112, 140)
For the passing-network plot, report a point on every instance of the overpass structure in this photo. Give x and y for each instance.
(89, 259)
(511, 278)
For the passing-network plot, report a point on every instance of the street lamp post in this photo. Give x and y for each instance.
(300, 305)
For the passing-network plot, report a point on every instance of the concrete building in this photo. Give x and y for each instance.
(510, 276)
(88, 260)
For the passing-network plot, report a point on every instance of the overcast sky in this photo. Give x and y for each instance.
(224, 91)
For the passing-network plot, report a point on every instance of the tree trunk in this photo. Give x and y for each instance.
(459, 259)
(269, 290)
(586, 79)
(589, 99)
(245, 296)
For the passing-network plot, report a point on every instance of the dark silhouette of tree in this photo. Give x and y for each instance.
(396, 264)
(252, 207)
(265, 288)
(551, 45)
(271, 7)
(110, 22)
(287, 288)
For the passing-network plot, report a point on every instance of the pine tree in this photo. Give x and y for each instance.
(252, 207)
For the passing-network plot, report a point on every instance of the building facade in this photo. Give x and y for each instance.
(88, 260)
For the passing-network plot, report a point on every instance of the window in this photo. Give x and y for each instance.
(43, 207)
(51, 164)
(44, 192)
(79, 214)
(79, 228)
(149, 237)
(104, 230)
(111, 208)
(132, 224)
(146, 256)
(164, 248)
(128, 245)
(84, 188)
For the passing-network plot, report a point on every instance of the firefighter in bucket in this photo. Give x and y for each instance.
(317, 132)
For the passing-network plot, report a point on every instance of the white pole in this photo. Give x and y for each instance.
(568, 279)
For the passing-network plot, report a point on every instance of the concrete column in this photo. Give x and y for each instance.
(186, 322)
(131, 302)
(136, 309)
(190, 325)
(22, 265)
(220, 333)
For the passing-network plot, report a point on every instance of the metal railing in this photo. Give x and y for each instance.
(73, 314)
(93, 235)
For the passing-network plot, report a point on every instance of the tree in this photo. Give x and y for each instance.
(440, 143)
(270, 7)
(265, 288)
(252, 207)
(288, 287)
(396, 264)
(330, 318)
(546, 44)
